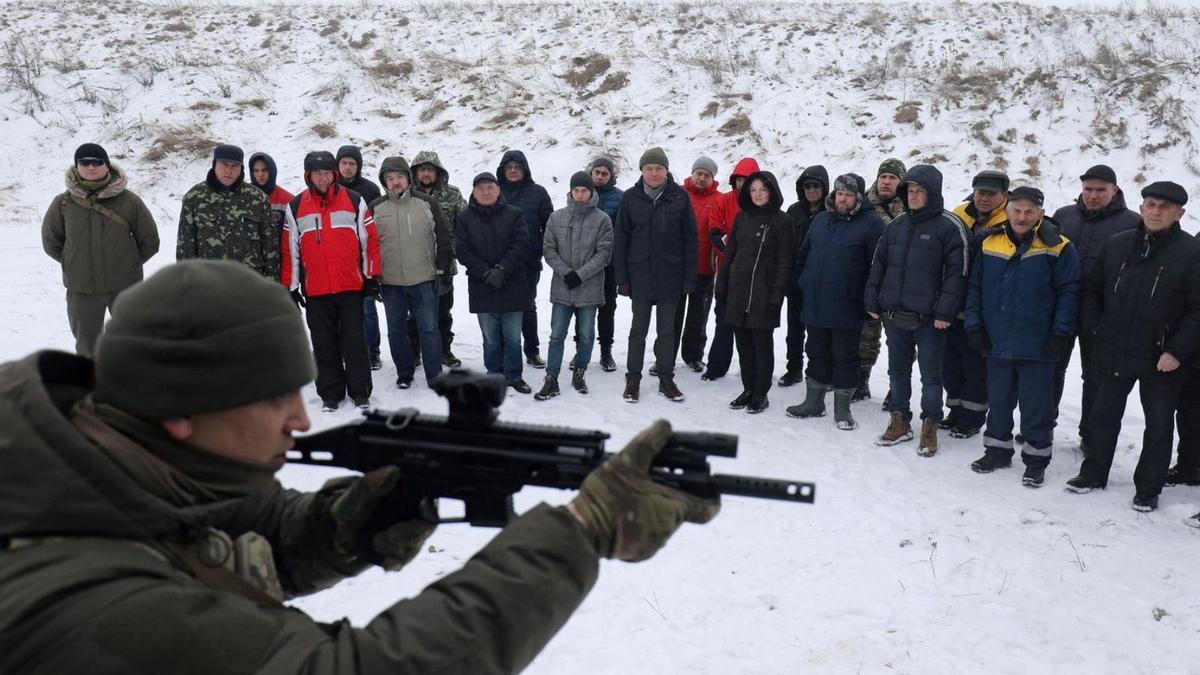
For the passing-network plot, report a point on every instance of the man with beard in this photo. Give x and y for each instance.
(885, 199)
(433, 179)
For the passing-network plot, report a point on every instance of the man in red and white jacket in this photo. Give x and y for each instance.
(329, 233)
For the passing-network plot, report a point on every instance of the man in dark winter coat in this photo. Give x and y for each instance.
(1141, 305)
(1021, 307)
(226, 218)
(833, 265)
(1187, 419)
(691, 334)
(604, 177)
(917, 282)
(177, 547)
(812, 188)
(431, 178)
(332, 246)
(655, 260)
(349, 175)
(493, 246)
(720, 354)
(263, 174)
(885, 198)
(516, 183)
(102, 234)
(757, 271)
(1097, 214)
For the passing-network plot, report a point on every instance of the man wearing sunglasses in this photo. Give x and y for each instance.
(102, 234)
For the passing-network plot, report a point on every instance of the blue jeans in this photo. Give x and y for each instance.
(1030, 384)
(928, 344)
(421, 301)
(502, 343)
(371, 325)
(585, 327)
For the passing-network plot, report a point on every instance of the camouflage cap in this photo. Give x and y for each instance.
(893, 166)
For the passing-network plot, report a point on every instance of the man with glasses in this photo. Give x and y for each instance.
(110, 234)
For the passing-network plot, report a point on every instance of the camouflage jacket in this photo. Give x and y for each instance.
(234, 224)
(888, 209)
(448, 198)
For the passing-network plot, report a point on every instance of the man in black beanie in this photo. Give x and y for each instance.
(111, 233)
(1141, 304)
(227, 218)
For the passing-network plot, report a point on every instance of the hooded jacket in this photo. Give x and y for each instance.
(448, 198)
(1088, 231)
(579, 239)
(278, 197)
(920, 263)
(229, 223)
(707, 205)
(655, 242)
(728, 209)
(1022, 293)
(494, 236)
(834, 262)
(800, 212)
(759, 255)
(533, 201)
(368, 190)
(414, 239)
(333, 237)
(610, 195)
(98, 254)
(85, 586)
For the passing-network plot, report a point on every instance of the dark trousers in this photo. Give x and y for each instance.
(756, 358)
(335, 323)
(1086, 345)
(416, 303)
(445, 323)
(720, 353)
(1187, 418)
(833, 357)
(965, 377)
(529, 321)
(664, 339)
(1013, 382)
(691, 320)
(371, 325)
(605, 321)
(795, 333)
(85, 315)
(926, 344)
(1160, 396)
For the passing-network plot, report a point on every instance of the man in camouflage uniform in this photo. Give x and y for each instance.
(433, 179)
(177, 546)
(885, 197)
(227, 218)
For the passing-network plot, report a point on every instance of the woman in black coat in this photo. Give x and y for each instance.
(753, 282)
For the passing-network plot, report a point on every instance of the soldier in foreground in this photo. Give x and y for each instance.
(142, 529)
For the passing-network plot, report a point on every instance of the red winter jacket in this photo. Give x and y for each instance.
(728, 208)
(334, 237)
(706, 204)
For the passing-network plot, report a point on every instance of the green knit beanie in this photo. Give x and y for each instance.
(654, 156)
(892, 166)
(201, 336)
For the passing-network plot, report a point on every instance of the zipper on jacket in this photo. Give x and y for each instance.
(1120, 272)
(1155, 286)
(754, 270)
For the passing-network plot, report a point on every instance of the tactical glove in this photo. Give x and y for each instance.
(625, 514)
(572, 280)
(357, 532)
(298, 298)
(1057, 347)
(978, 340)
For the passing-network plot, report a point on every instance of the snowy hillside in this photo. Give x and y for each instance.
(905, 564)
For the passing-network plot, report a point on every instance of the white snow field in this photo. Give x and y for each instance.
(904, 564)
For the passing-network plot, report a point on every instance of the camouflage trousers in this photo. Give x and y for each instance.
(868, 345)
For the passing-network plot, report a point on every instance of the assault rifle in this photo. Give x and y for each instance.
(470, 456)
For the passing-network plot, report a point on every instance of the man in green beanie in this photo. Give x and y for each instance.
(142, 529)
(885, 197)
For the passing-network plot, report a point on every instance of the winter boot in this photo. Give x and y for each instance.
(632, 385)
(841, 409)
(376, 361)
(741, 401)
(791, 377)
(666, 387)
(535, 360)
(1194, 521)
(696, 366)
(521, 387)
(961, 430)
(758, 403)
(1035, 476)
(898, 430)
(330, 406)
(654, 370)
(449, 359)
(1182, 475)
(929, 440)
(949, 421)
(991, 461)
(863, 392)
(1082, 484)
(606, 360)
(1145, 503)
(578, 382)
(549, 389)
(814, 402)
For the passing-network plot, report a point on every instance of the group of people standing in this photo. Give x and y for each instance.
(986, 298)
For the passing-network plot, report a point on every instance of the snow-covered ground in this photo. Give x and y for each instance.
(904, 564)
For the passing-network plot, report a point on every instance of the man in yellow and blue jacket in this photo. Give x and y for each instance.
(1021, 307)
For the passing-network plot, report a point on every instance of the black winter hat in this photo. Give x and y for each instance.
(1100, 172)
(1165, 189)
(351, 151)
(90, 151)
(228, 153)
(582, 179)
(1028, 193)
(320, 160)
(201, 336)
(486, 176)
(990, 179)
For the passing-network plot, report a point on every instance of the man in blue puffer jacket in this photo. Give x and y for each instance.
(1021, 308)
(604, 177)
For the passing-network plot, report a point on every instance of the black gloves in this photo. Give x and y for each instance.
(494, 278)
(623, 289)
(572, 280)
(717, 237)
(978, 340)
(371, 289)
(1057, 347)
(298, 298)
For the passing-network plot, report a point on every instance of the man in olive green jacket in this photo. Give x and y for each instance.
(142, 529)
(102, 234)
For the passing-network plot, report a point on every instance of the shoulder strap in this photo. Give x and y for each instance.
(98, 208)
(217, 578)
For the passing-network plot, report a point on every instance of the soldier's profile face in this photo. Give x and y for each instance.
(885, 185)
(426, 175)
(228, 172)
(347, 167)
(257, 433)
